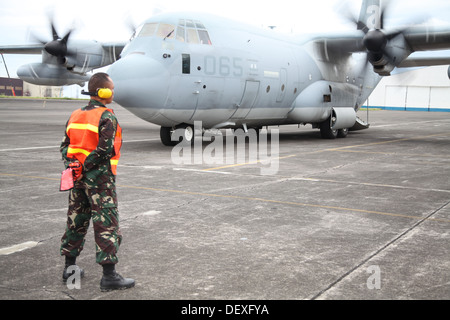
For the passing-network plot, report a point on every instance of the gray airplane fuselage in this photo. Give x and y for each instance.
(191, 67)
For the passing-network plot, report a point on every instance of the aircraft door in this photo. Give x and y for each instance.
(183, 94)
(248, 99)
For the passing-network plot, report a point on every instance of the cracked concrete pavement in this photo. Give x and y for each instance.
(365, 217)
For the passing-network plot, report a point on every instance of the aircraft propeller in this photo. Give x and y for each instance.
(57, 47)
(377, 37)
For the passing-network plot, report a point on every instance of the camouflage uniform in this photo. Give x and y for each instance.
(94, 196)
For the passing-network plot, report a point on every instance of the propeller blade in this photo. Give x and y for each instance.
(58, 46)
(54, 33)
(67, 36)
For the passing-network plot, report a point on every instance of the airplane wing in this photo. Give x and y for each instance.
(350, 41)
(37, 48)
(65, 64)
(418, 39)
(22, 49)
(425, 61)
(421, 39)
(114, 45)
(428, 38)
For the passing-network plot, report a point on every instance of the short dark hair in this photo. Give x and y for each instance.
(98, 81)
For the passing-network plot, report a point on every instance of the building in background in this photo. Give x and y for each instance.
(424, 89)
(16, 87)
(11, 87)
(31, 90)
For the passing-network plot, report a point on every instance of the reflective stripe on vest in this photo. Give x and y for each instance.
(81, 126)
(82, 130)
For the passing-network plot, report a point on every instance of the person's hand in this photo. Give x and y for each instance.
(77, 169)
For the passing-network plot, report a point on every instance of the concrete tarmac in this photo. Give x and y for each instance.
(366, 217)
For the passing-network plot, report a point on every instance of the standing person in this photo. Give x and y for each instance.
(93, 139)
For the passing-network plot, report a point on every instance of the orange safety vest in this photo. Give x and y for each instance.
(82, 129)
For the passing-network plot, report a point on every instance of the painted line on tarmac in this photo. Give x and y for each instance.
(247, 163)
(368, 184)
(291, 203)
(388, 141)
(420, 155)
(18, 248)
(343, 149)
(29, 177)
(407, 123)
(27, 149)
(211, 195)
(57, 147)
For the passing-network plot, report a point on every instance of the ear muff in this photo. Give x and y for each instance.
(104, 93)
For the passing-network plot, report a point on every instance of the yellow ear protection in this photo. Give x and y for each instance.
(103, 93)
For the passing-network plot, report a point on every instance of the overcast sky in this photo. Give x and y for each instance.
(105, 21)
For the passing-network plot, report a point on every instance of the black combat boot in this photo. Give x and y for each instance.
(111, 280)
(71, 261)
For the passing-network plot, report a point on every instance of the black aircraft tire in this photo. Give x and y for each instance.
(326, 132)
(342, 133)
(166, 137)
(188, 134)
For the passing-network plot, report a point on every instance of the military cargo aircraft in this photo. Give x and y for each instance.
(184, 68)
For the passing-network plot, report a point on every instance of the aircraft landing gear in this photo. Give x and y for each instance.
(165, 133)
(343, 133)
(171, 136)
(328, 133)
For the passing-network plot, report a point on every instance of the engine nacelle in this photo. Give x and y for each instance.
(89, 55)
(50, 75)
(381, 64)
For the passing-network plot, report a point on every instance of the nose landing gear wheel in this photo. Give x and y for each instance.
(184, 133)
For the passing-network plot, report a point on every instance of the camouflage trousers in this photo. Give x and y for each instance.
(101, 206)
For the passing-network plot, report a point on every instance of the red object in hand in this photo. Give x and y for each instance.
(77, 169)
(66, 180)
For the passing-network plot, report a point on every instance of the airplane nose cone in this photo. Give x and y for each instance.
(141, 84)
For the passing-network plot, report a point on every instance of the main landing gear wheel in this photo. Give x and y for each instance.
(184, 133)
(328, 133)
(342, 133)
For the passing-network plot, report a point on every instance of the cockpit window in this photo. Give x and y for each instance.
(195, 31)
(148, 30)
(199, 25)
(192, 36)
(166, 31)
(189, 31)
(204, 37)
(181, 34)
(189, 23)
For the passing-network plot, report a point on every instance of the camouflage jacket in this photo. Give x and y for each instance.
(97, 172)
